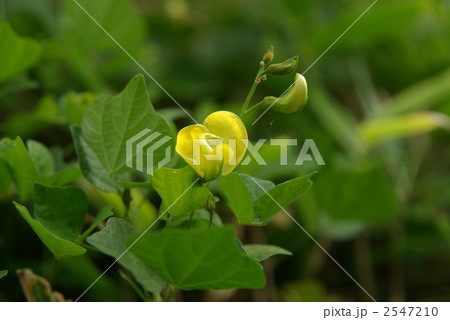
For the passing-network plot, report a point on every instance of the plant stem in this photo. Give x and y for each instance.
(191, 216)
(255, 107)
(211, 213)
(252, 90)
(139, 292)
(170, 294)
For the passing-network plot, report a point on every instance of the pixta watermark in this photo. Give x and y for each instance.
(149, 150)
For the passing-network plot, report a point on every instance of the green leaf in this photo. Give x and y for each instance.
(261, 252)
(172, 183)
(60, 209)
(59, 247)
(42, 158)
(110, 122)
(17, 54)
(112, 241)
(284, 193)
(95, 58)
(248, 199)
(3, 273)
(421, 95)
(66, 176)
(364, 194)
(336, 120)
(74, 106)
(90, 165)
(200, 220)
(132, 185)
(237, 197)
(199, 259)
(410, 124)
(22, 168)
(5, 177)
(104, 214)
(253, 184)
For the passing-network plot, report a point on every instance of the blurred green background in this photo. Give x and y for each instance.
(378, 111)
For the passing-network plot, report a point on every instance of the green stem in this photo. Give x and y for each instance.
(139, 292)
(170, 294)
(211, 213)
(252, 90)
(254, 108)
(191, 216)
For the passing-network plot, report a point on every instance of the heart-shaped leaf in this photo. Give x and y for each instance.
(112, 241)
(255, 201)
(110, 122)
(58, 246)
(60, 209)
(199, 259)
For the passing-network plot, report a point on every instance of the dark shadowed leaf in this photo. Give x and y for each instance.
(37, 288)
(199, 259)
(59, 247)
(281, 195)
(90, 166)
(60, 209)
(112, 241)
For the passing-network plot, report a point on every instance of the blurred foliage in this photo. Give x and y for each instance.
(377, 104)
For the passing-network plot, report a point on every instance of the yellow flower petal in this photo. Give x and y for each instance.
(214, 148)
(229, 126)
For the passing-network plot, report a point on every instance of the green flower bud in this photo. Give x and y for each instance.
(283, 68)
(210, 203)
(292, 101)
(268, 56)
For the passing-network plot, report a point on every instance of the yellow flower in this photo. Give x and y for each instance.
(215, 147)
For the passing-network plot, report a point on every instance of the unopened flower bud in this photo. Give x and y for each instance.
(283, 68)
(292, 101)
(268, 56)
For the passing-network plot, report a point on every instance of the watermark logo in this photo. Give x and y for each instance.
(308, 152)
(147, 147)
(149, 150)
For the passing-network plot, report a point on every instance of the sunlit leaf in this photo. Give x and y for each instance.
(410, 124)
(109, 122)
(179, 190)
(42, 158)
(261, 252)
(17, 54)
(22, 168)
